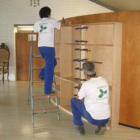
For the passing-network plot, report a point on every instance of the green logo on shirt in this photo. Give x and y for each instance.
(42, 28)
(102, 93)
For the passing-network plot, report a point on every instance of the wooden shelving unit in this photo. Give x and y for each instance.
(100, 43)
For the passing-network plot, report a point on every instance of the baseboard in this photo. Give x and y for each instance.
(130, 126)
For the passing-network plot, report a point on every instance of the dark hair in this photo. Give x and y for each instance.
(44, 12)
(89, 69)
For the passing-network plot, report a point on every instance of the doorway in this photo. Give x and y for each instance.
(23, 43)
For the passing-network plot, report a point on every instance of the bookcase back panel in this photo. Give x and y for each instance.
(66, 35)
(57, 67)
(75, 90)
(66, 92)
(75, 73)
(76, 34)
(103, 60)
(99, 34)
(66, 53)
(57, 81)
(76, 54)
(101, 70)
(57, 37)
(57, 51)
(66, 69)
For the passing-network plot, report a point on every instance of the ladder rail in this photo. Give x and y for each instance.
(29, 77)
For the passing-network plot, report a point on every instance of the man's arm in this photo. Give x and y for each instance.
(77, 97)
(63, 22)
(36, 27)
(56, 24)
(81, 94)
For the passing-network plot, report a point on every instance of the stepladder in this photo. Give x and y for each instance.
(37, 99)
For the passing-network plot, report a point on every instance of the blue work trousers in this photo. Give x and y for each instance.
(48, 53)
(79, 110)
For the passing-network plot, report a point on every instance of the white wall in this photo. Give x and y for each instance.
(20, 12)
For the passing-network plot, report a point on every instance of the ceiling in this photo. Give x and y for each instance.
(119, 5)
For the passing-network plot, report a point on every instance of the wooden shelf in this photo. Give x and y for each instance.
(85, 44)
(70, 79)
(57, 58)
(68, 107)
(108, 45)
(57, 43)
(58, 99)
(58, 88)
(57, 74)
(110, 87)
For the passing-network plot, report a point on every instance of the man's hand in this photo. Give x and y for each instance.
(76, 96)
(63, 21)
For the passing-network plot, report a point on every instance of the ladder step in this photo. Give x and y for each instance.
(44, 95)
(37, 56)
(45, 109)
(41, 81)
(36, 68)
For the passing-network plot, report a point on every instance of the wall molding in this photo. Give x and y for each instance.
(104, 5)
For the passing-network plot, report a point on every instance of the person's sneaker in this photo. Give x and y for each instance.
(53, 91)
(41, 78)
(100, 130)
(80, 130)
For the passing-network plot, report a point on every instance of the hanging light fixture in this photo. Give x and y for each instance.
(34, 3)
(38, 2)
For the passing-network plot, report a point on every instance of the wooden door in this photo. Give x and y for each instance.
(23, 56)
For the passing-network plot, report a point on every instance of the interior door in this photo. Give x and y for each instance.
(23, 56)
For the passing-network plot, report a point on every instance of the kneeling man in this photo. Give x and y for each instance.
(91, 102)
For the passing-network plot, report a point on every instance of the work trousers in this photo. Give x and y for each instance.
(79, 110)
(47, 73)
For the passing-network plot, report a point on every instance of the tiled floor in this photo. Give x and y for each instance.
(15, 120)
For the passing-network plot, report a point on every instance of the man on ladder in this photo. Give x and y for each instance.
(45, 27)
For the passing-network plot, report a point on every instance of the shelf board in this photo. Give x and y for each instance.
(70, 79)
(57, 58)
(108, 45)
(86, 44)
(57, 74)
(68, 107)
(58, 99)
(57, 43)
(73, 44)
(110, 87)
(58, 88)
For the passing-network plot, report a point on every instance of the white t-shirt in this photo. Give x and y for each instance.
(96, 97)
(45, 27)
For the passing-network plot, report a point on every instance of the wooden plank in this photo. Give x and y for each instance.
(66, 60)
(66, 93)
(99, 34)
(76, 54)
(66, 35)
(57, 36)
(76, 34)
(101, 54)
